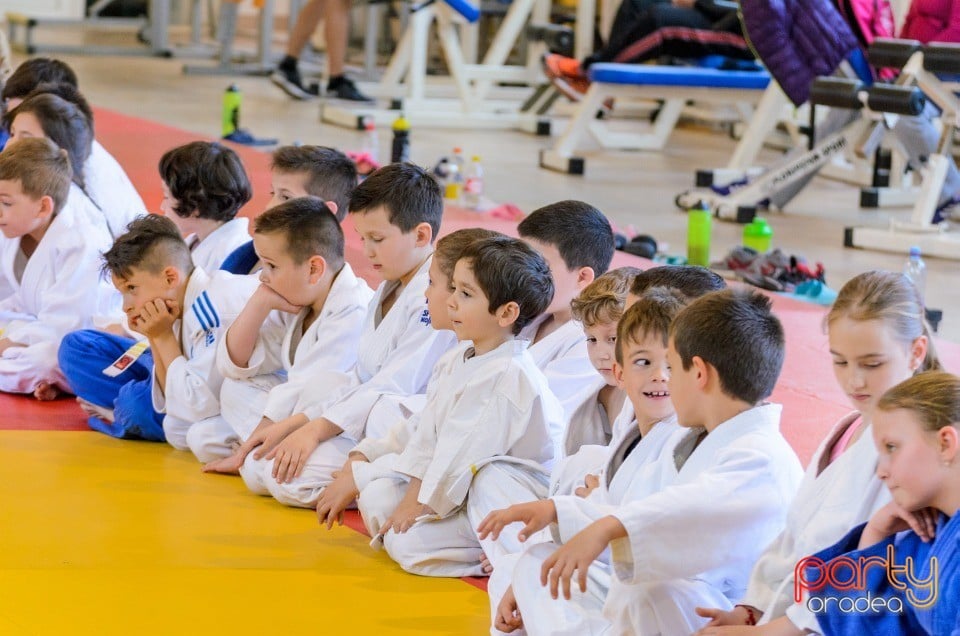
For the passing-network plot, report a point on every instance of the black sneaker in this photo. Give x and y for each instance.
(290, 81)
(344, 88)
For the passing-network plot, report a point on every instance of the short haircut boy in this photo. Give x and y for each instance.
(309, 230)
(67, 92)
(37, 71)
(649, 317)
(207, 178)
(449, 248)
(735, 332)
(150, 243)
(602, 300)
(579, 231)
(690, 280)
(63, 123)
(408, 192)
(41, 168)
(509, 270)
(332, 176)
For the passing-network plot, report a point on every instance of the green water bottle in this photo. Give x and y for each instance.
(231, 110)
(758, 235)
(698, 235)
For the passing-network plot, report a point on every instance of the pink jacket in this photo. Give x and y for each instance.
(933, 21)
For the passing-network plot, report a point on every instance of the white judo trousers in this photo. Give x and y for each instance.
(633, 469)
(737, 482)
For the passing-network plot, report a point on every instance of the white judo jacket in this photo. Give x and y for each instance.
(318, 362)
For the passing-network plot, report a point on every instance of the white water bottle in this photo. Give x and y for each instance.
(473, 184)
(916, 271)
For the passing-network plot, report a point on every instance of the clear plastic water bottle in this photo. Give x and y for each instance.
(461, 169)
(473, 184)
(371, 143)
(916, 271)
(451, 183)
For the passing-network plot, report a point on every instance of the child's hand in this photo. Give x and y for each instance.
(574, 556)
(404, 516)
(894, 518)
(590, 483)
(337, 496)
(272, 300)
(156, 318)
(265, 438)
(536, 515)
(290, 456)
(508, 617)
(718, 617)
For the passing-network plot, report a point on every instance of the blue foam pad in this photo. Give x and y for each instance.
(647, 75)
(470, 12)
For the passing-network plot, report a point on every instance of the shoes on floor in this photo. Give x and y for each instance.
(344, 88)
(292, 84)
(566, 75)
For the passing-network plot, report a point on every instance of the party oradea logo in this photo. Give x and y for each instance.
(844, 581)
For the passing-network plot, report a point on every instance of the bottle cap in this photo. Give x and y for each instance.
(369, 124)
(915, 251)
(475, 158)
(400, 124)
(457, 150)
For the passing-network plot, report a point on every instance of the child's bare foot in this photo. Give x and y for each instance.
(45, 392)
(93, 410)
(225, 465)
(485, 564)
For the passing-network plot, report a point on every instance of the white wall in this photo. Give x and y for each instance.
(44, 8)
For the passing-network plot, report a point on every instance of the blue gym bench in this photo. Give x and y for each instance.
(675, 85)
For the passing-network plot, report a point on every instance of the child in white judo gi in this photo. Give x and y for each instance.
(397, 213)
(878, 338)
(50, 259)
(319, 305)
(105, 180)
(302, 171)
(319, 171)
(577, 242)
(183, 312)
(490, 401)
(375, 457)
(204, 187)
(598, 308)
(724, 492)
(50, 117)
(629, 465)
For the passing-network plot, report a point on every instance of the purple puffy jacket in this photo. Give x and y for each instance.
(797, 40)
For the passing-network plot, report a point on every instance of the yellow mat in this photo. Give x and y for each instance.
(100, 536)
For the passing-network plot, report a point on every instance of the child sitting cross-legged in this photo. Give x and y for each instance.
(320, 305)
(640, 368)
(51, 262)
(722, 495)
(490, 401)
